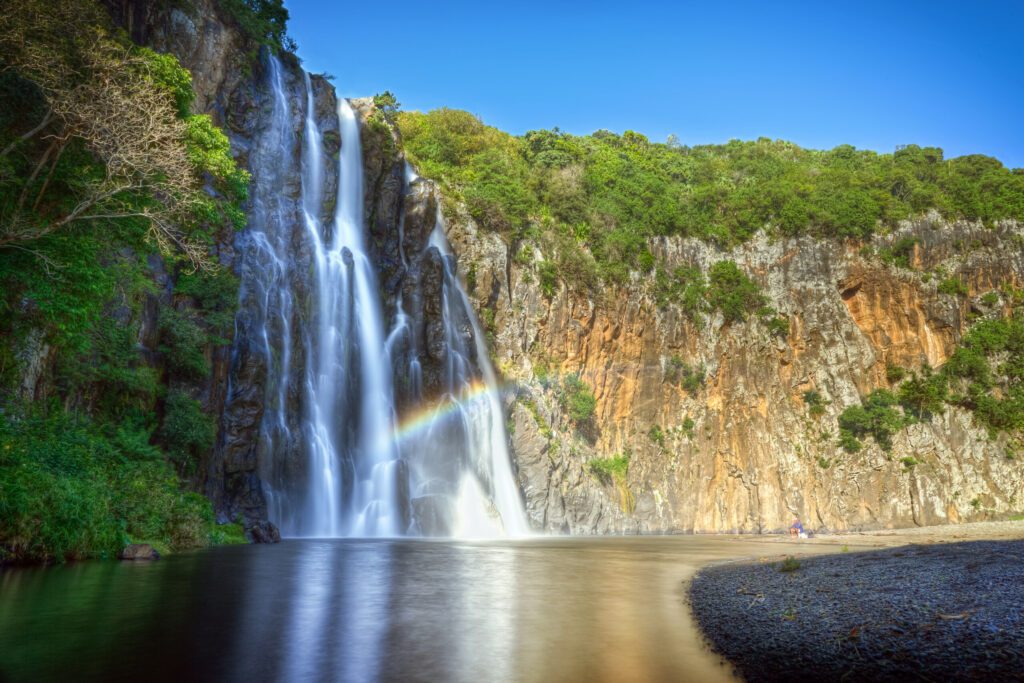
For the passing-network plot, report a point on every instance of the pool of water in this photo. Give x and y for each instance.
(550, 609)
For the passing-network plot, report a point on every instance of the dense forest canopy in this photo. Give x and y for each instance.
(108, 182)
(612, 192)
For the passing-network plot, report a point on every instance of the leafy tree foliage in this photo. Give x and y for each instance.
(924, 394)
(98, 130)
(102, 167)
(877, 416)
(578, 399)
(71, 489)
(265, 22)
(606, 195)
(732, 292)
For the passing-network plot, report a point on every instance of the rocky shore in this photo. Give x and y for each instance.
(940, 611)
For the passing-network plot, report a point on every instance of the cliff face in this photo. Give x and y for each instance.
(742, 452)
(739, 453)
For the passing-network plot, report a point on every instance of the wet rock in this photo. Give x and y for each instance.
(432, 514)
(139, 551)
(262, 531)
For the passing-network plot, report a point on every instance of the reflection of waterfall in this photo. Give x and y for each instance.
(332, 455)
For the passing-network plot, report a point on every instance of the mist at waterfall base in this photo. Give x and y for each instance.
(335, 456)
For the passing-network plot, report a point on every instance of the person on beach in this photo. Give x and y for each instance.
(796, 528)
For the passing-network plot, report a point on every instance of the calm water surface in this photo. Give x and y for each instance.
(555, 609)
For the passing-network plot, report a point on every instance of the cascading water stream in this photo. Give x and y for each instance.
(377, 469)
(332, 458)
(486, 438)
(326, 364)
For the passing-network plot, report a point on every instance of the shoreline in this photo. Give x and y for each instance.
(928, 603)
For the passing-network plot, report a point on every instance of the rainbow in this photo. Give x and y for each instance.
(420, 421)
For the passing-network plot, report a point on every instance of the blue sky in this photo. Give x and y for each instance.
(871, 74)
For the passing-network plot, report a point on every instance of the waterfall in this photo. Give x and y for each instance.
(326, 357)
(335, 453)
(377, 471)
(486, 441)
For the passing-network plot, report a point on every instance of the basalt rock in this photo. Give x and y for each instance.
(742, 453)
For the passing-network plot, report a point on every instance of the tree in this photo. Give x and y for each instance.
(877, 417)
(924, 394)
(102, 98)
(387, 103)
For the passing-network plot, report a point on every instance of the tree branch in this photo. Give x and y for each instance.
(42, 124)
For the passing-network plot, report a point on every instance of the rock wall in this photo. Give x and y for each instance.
(754, 456)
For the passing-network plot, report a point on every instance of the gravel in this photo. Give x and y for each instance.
(952, 612)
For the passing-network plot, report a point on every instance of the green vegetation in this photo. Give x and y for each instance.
(925, 394)
(815, 403)
(985, 375)
(71, 488)
(878, 416)
(900, 253)
(548, 271)
(732, 292)
(615, 470)
(103, 167)
(790, 564)
(542, 425)
(612, 469)
(688, 426)
(577, 399)
(187, 431)
(679, 373)
(657, 435)
(952, 287)
(592, 202)
(263, 21)
(894, 373)
(726, 289)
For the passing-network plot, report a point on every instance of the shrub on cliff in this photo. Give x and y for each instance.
(986, 373)
(952, 287)
(815, 403)
(878, 416)
(615, 471)
(680, 373)
(924, 394)
(732, 292)
(265, 22)
(577, 399)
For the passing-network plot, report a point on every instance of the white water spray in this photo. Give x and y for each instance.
(330, 459)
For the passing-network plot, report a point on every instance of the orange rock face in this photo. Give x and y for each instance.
(742, 452)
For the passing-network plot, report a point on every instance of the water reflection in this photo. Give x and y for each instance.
(364, 610)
